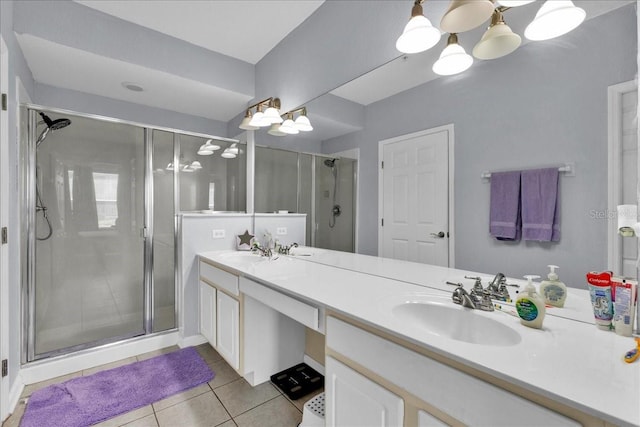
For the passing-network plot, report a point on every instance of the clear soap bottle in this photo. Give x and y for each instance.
(553, 290)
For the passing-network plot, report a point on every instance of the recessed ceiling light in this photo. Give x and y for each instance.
(132, 87)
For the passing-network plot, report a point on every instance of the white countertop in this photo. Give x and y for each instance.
(570, 361)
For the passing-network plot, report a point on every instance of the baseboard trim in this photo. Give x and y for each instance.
(314, 364)
(192, 341)
(14, 395)
(62, 365)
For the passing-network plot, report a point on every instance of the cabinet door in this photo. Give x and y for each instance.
(208, 312)
(354, 400)
(228, 329)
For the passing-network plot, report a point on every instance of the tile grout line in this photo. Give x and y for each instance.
(224, 407)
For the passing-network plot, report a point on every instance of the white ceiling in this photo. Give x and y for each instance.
(243, 29)
(69, 68)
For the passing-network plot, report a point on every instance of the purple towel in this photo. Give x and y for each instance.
(540, 205)
(504, 214)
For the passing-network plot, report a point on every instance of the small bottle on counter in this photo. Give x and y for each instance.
(530, 305)
(553, 290)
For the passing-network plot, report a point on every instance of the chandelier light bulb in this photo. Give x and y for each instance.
(453, 59)
(555, 18)
(418, 35)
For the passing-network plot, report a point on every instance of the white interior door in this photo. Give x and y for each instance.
(415, 197)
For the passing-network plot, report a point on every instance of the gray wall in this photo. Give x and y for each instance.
(552, 109)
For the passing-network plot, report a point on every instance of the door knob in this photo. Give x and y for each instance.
(439, 235)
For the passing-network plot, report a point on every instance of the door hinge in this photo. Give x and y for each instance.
(4, 235)
(4, 102)
(382, 222)
(5, 368)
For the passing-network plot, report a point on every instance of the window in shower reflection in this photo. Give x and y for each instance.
(222, 166)
(106, 190)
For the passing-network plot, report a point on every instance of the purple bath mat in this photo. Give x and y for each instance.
(88, 400)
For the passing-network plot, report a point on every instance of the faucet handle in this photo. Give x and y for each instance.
(485, 302)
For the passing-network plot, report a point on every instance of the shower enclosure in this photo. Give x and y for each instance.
(100, 205)
(322, 187)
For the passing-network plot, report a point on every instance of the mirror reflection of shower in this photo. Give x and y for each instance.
(51, 125)
(336, 210)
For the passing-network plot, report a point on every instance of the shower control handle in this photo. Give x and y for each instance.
(439, 235)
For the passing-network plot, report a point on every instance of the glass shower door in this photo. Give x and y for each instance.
(89, 250)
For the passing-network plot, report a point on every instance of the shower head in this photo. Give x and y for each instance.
(51, 125)
(55, 124)
(330, 162)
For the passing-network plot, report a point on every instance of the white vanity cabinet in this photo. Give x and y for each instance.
(434, 393)
(228, 329)
(220, 310)
(208, 305)
(355, 400)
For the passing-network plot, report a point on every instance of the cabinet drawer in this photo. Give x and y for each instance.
(291, 307)
(220, 278)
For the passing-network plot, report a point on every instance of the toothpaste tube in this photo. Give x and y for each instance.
(601, 298)
(624, 304)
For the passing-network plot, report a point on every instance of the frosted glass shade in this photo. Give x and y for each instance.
(465, 15)
(418, 36)
(227, 154)
(259, 121)
(289, 127)
(272, 115)
(275, 130)
(204, 150)
(195, 165)
(453, 60)
(497, 41)
(303, 124)
(555, 18)
(246, 124)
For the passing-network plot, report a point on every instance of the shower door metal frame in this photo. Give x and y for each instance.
(28, 212)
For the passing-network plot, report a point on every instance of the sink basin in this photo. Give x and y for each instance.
(438, 316)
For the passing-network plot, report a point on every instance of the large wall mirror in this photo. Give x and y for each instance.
(546, 104)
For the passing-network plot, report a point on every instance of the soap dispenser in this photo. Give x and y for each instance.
(553, 290)
(530, 305)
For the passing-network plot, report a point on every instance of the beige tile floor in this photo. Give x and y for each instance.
(226, 401)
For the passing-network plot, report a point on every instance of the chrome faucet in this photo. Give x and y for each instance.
(286, 249)
(477, 299)
(266, 252)
(460, 296)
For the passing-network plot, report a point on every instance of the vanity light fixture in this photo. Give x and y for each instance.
(170, 167)
(245, 124)
(228, 154)
(418, 35)
(555, 18)
(498, 40)
(453, 59)
(195, 165)
(208, 148)
(288, 126)
(465, 15)
(233, 149)
(258, 120)
(272, 113)
(302, 123)
(275, 130)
